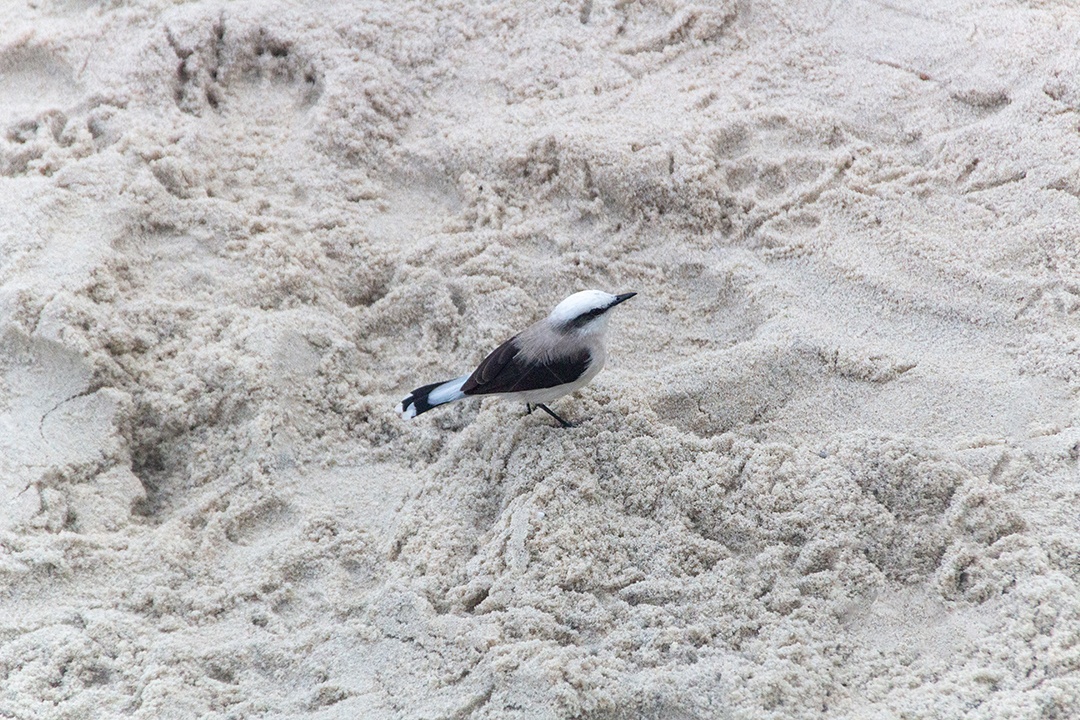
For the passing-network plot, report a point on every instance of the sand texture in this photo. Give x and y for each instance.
(830, 470)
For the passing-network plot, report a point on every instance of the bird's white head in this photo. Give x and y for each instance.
(585, 311)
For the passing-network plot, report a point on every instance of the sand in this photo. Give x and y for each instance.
(830, 471)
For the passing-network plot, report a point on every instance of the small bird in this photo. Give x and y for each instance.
(551, 358)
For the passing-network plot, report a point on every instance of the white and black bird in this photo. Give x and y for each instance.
(551, 358)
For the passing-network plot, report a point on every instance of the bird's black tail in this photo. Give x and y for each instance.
(424, 398)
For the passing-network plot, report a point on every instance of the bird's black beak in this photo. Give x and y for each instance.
(621, 298)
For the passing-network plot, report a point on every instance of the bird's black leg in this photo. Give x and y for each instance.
(548, 410)
(528, 409)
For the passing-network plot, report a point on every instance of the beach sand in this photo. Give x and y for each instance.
(830, 470)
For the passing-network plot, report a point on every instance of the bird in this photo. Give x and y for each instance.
(551, 358)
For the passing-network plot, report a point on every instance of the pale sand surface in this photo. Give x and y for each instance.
(831, 469)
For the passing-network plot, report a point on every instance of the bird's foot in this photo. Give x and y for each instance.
(550, 412)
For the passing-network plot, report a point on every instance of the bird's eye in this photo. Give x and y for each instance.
(583, 319)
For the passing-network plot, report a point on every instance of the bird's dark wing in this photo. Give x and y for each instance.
(505, 371)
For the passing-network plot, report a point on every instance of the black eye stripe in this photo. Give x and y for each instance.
(580, 320)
